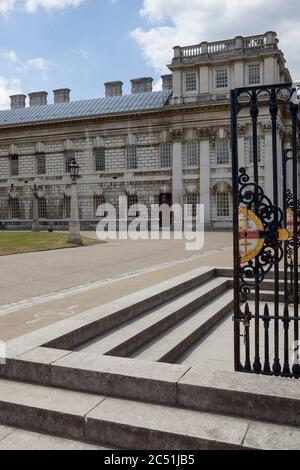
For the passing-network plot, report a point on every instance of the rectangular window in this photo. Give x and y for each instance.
(98, 201)
(222, 152)
(14, 208)
(132, 200)
(165, 151)
(254, 74)
(42, 208)
(131, 158)
(192, 153)
(191, 81)
(69, 156)
(99, 159)
(251, 149)
(192, 199)
(14, 165)
(41, 163)
(67, 207)
(223, 204)
(222, 78)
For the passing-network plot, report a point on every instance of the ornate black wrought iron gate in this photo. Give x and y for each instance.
(266, 233)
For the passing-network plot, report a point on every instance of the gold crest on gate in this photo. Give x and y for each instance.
(250, 228)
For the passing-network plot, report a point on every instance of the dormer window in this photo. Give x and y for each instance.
(191, 81)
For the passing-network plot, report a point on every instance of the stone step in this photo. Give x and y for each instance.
(266, 296)
(103, 319)
(169, 346)
(132, 425)
(20, 439)
(45, 409)
(267, 285)
(127, 338)
(141, 426)
(251, 396)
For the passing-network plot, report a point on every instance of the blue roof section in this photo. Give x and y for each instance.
(86, 108)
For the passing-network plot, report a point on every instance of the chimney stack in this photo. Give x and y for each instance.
(17, 102)
(141, 85)
(113, 89)
(38, 98)
(62, 95)
(167, 82)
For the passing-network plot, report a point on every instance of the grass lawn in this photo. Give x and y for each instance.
(24, 242)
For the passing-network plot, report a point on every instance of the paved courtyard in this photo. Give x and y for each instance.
(38, 289)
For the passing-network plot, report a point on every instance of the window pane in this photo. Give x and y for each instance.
(192, 199)
(222, 78)
(222, 152)
(14, 165)
(254, 74)
(69, 155)
(67, 207)
(223, 204)
(100, 159)
(132, 200)
(165, 155)
(98, 201)
(251, 149)
(131, 158)
(42, 208)
(192, 153)
(14, 208)
(191, 81)
(41, 164)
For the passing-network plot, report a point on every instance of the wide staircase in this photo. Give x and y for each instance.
(122, 377)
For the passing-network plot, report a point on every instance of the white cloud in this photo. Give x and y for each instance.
(9, 55)
(177, 22)
(37, 63)
(8, 87)
(33, 5)
(6, 6)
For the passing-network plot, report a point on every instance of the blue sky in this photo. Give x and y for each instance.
(79, 48)
(80, 44)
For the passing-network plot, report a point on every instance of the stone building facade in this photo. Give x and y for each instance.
(171, 146)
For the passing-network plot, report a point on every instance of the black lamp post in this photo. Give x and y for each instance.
(35, 191)
(74, 223)
(74, 170)
(35, 209)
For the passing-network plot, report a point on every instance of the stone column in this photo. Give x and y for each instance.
(268, 161)
(177, 196)
(35, 215)
(241, 146)
(205, 174)
(177, 167)
(287, 141)
(74, 223)
(279, 167)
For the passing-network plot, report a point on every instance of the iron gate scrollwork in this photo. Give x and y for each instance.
(266, 234)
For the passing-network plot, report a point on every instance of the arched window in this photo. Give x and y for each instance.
(42, 208)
